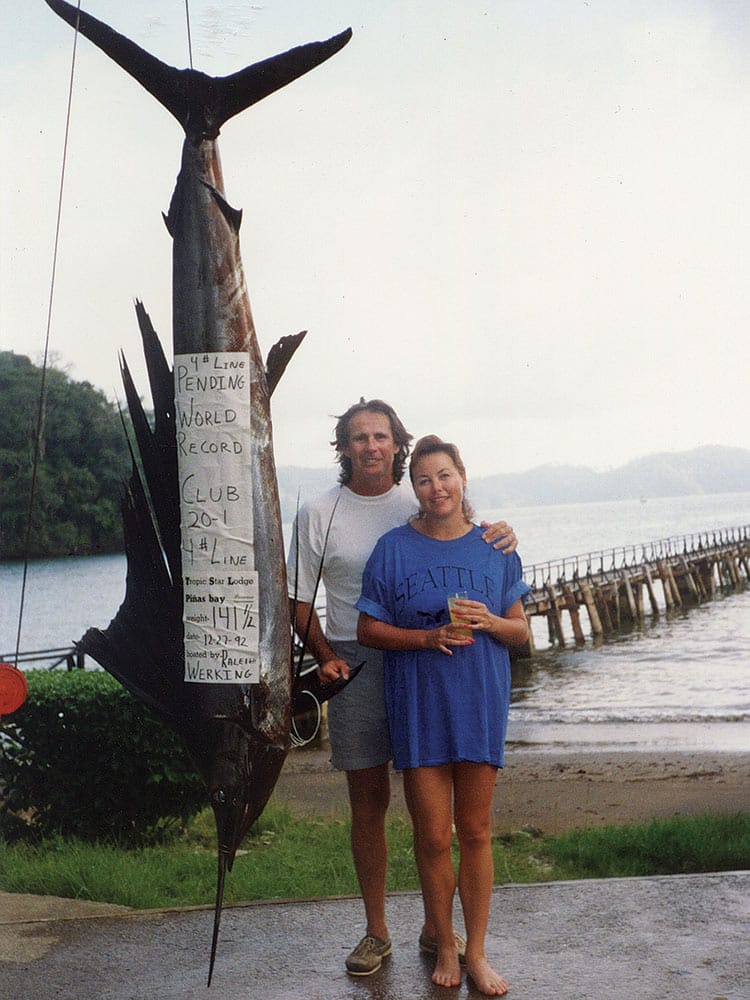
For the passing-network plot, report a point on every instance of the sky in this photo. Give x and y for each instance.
(524, 223)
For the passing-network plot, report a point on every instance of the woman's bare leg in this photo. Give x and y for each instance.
(429, 797)
(474, 785)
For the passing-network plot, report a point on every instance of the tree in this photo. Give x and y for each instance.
(83, 462)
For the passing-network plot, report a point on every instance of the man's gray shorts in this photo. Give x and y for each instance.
(357, 721)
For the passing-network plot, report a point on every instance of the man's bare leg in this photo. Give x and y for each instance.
(369, 795)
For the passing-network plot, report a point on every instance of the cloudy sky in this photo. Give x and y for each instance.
(525, 223)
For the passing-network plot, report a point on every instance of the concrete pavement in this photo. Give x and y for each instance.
(651, 938)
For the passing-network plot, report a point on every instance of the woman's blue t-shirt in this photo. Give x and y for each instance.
(442, 709)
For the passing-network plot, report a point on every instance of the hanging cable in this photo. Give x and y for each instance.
(43, 385)
(189, 40)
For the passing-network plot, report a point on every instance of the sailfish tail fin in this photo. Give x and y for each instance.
(201, 103)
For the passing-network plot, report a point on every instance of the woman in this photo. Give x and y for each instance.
(447, 694)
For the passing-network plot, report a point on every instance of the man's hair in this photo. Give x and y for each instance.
(401, 437)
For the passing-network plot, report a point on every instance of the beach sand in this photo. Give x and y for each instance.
(551, 791)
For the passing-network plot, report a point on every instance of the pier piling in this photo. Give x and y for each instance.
(690, 569)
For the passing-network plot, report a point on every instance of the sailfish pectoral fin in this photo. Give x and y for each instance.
(201, 103)
(279, 357)
(309, 687)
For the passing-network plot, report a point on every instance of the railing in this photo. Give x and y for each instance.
(59, 656)
(602, 561)
(568, 569)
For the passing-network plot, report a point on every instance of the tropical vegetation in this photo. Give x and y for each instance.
(76, 441)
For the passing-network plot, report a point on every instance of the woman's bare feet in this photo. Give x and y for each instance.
(485, 978)
(447, 970)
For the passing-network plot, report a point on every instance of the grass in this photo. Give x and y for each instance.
(287, 858)
(663, 847)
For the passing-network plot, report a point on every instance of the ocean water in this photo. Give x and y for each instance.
(680, 682)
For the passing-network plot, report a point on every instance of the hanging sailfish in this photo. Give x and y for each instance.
(203, 635)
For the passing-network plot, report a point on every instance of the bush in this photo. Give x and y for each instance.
(83, 758)
(82, 463)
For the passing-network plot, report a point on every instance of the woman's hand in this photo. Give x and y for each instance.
(513, 629)
(445, 636)
(475, 615)
(381, 635)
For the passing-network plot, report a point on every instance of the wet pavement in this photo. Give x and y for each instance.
(651, 938)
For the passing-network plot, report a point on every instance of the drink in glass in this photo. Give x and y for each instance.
(454, 613)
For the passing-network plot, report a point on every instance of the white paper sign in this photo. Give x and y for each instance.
(220, 584)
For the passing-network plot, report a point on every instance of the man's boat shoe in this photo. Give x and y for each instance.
(368, 956)
(429, 944)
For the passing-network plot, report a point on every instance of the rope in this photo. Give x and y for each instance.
(43, 385)
(189, 40)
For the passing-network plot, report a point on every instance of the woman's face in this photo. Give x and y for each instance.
(439, 486)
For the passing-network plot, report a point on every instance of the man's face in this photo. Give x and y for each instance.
(371, 450)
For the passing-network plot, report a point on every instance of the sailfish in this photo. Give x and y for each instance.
(237, 734)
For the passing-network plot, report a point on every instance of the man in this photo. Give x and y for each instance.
(338, 530)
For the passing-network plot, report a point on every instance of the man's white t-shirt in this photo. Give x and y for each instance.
(356, 523)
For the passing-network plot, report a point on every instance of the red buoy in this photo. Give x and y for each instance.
(12, 688)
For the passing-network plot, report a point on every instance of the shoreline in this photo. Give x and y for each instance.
(696, 736)
(551, 791)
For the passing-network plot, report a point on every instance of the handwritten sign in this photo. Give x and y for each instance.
(220, 584)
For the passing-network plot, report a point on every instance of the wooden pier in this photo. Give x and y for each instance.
(61, 656)
(622, 587)
(617, 588)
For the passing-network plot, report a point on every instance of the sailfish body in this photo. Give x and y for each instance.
(237, 733)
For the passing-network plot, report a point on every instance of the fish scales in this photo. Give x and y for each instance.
(211, 313)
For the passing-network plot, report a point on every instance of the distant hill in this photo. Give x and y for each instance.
(297, 484)
(710, 469)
